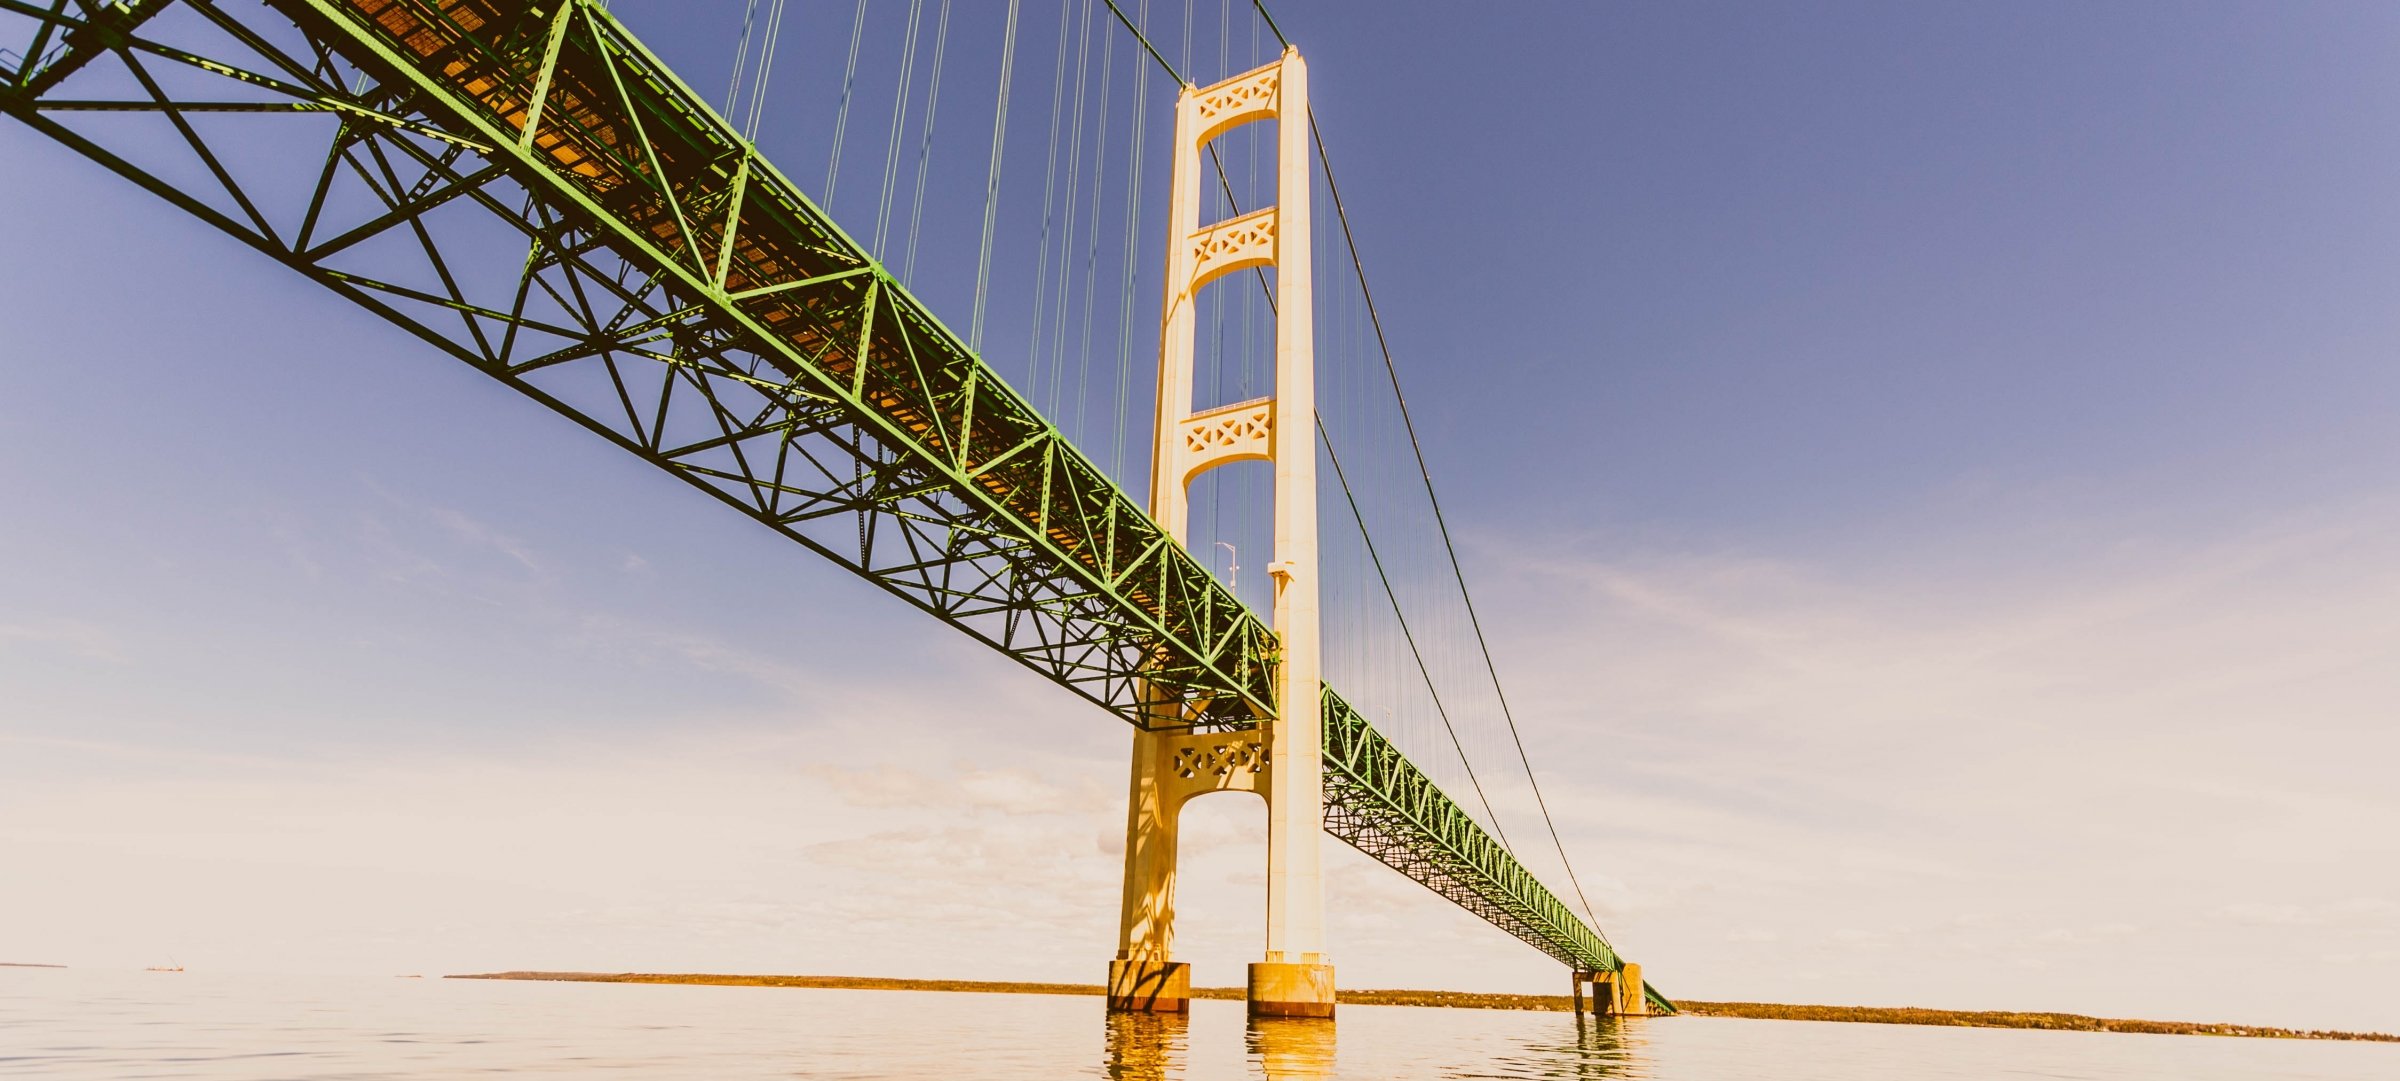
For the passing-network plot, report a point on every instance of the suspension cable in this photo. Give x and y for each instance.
(1041, 276)
(1262, 13)
(766, 67)
(1410, 636)
(1128, 260)
(841, 116)
(991, 184)
(1091, 257)
(901, 92)
(1069, 206)
(1137, 36)
(933, 100)
(1424, 473)
(741, 57)
(1475, 622)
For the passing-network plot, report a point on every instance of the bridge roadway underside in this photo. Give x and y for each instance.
(525, 188)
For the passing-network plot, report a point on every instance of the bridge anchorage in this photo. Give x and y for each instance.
(524, 187)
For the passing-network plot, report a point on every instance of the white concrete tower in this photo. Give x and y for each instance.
(1283, 762)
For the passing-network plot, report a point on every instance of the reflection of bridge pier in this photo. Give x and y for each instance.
(1292, 1048)
(1145, 1046)
(1606, 1048)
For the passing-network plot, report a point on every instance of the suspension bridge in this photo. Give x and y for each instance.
(525, 187)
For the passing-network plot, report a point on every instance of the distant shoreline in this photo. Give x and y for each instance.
(27, 964)
(1881, 1015)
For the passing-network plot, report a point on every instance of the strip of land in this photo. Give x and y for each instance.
(1881, 1015)
(26, 964)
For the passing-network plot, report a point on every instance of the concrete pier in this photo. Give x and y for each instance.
(1290, 989)
(1149, 986)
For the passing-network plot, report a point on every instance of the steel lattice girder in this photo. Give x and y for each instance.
(672, 292)
(680, 297)
(1380, 803)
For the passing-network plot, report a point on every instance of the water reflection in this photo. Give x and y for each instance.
(1292, 1048)
(1151, 1047)
(1589, 1049)
(1146, 1046)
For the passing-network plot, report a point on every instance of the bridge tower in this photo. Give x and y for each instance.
(1282, 760)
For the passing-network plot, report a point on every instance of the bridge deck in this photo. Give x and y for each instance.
(526, 188)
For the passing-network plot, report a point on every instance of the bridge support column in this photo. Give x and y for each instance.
(1295, 978)
(1149, 986)
(1288, 989)
(1614, 994)
(1142, 977)
(1169, 770)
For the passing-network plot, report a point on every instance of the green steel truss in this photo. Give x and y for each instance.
(1380, 803)
(664, 286)
(526, 188)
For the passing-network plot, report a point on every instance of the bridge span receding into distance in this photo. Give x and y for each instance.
(526, 188)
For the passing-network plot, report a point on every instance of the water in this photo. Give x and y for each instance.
(90, 1024)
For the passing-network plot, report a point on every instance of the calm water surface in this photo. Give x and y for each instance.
(90, 1024)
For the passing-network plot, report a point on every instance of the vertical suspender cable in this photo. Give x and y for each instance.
(841, 116)
(991, 184)
(1368, 540)
(891, 147)
(766, 67)
(1262, 13)
(1066, 233)
(1091, 258)
(933, 101)
(1127, 261)
(1041, 279)
(741, 57)
(1491, 667)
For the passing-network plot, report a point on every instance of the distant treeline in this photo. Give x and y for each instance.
(1910, 1015)
(1881, 1015)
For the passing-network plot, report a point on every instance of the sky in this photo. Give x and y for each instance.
(1927, 470)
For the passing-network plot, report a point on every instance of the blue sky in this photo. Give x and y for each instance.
(1928, 469)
